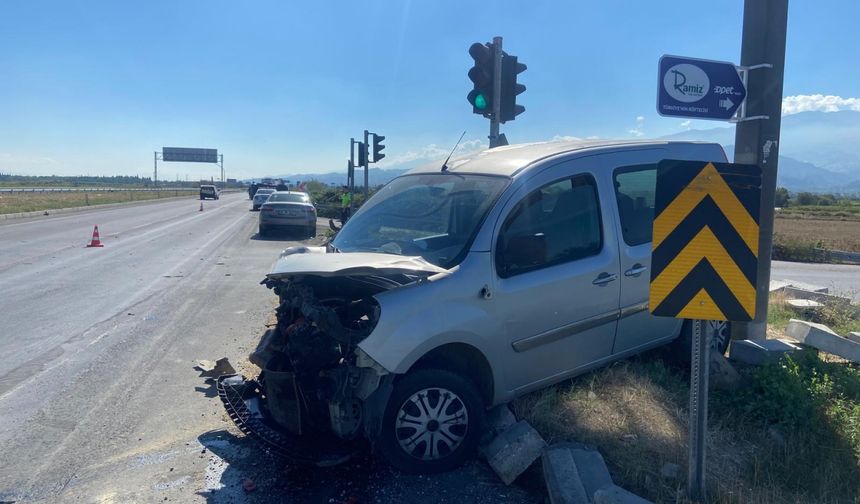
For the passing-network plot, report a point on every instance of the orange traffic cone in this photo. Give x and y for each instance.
(96, 242)
(201, 206)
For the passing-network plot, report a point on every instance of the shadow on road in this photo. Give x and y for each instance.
(235, 460)
(282, 235)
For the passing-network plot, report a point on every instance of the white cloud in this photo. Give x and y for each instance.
(686, 124)
(565, 138)
(434, 151)
(818, 102)
(638, 130)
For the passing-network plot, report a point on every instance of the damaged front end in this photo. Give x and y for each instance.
(319, 398)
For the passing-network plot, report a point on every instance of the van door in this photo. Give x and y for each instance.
(634, 176)
(556, 276)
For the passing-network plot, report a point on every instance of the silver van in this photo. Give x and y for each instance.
(456, 288)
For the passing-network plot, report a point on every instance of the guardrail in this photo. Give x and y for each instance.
(838, 256)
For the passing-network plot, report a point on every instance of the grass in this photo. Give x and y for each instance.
(38, 201)
(789, 434)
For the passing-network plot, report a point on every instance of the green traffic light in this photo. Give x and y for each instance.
(480, 101)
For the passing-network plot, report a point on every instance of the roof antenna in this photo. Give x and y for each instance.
(445, 164)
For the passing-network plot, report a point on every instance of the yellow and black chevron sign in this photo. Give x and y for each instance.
(704, 254)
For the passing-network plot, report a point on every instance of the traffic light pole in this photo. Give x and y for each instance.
(350, 175)
(757, 140)
(497, 93)
(366, 163)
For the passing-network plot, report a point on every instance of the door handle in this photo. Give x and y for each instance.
(604, 278)
(637, 269)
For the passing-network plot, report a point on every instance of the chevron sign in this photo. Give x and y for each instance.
(704, 253)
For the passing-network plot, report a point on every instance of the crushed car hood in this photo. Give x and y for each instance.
(315, 261)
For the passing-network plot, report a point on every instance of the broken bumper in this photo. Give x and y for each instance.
(246, 407)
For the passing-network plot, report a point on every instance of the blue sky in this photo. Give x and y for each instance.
(94, 87)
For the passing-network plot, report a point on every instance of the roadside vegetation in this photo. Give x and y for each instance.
(38, 201)
(790, 433)
(809, 225)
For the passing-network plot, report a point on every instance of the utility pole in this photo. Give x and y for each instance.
(497, 93)
(155, 161)
(757, 138)
(366, 163)
(350, 172)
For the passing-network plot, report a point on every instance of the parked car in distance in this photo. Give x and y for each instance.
(288, 209)
(457, 288)
(209, 191)
(260, 197)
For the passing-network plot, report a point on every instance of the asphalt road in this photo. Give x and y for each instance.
(99, 400)
(842, 279)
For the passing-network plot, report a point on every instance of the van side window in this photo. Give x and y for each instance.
(634, 191)
(557, 223)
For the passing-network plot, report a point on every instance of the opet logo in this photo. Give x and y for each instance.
(686, 83)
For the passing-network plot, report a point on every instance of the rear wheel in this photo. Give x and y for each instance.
(432, 422)
(262, 231)
(682, 347)
(312, 230)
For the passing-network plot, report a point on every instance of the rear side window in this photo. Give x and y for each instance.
(634, 191)
(558, 223)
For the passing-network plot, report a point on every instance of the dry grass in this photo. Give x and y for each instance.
(824, 233)
(636, 413)
(37, 201)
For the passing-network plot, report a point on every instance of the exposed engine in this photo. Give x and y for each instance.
(310, 382)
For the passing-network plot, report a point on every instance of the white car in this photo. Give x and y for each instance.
(260, 197)
(456, 288)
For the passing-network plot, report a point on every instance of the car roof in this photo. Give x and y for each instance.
(508, 160)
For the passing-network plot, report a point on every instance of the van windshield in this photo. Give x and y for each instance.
(434, 216)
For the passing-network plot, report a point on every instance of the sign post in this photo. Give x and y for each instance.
(704, 264)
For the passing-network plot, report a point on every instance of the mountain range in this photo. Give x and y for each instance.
(819, 152)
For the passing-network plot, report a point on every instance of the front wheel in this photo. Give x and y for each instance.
(432, 422)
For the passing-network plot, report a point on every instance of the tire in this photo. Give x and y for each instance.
(202, 198)
(434, 447)
(682, 347)
(312, 231)
(262, 231)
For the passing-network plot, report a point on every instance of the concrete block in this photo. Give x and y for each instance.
(613, 494)
(499, 419)
(761, 352)
(514, 450)
(723, 375)
(808, 287)
(561, 475)
(803, 305)
(823, 338)
(592, 470)
(854, 336)
(821, 297)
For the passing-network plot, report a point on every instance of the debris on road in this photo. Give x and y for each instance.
(823, 338)
(212, 370)
(514, 450)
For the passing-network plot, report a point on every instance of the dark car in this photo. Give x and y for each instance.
(209, 191)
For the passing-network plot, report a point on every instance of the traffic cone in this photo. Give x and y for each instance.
(96, 242)
(201, 206)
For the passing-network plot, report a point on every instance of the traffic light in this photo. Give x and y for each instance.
(510, 88)
(362, 153)
(481, 75)
(377, 147)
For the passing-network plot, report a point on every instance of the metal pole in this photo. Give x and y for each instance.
(222, 170)
(366, 164)
(497, 92)
(757, 141)
(155, 161)
(699, 364)
(351, 176)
